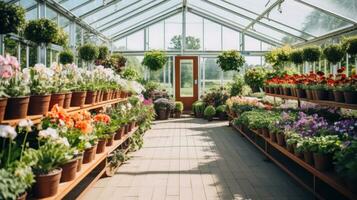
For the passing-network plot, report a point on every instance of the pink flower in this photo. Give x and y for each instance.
(147, 101)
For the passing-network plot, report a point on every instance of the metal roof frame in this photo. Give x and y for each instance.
(99, 8)
(81, 5)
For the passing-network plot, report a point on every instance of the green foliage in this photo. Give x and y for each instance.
(230, 60)
(221, 109)
(88, 52)
(334, 53)
(209, 112)
(191, 42)
(346, 162)
(62, 38)
(216, 97)
(255, 77)
(198, 107)
(277, 57)
(12, 18)
(257, 119)
(296, 56)
(178, 106)
(236, 87)
(41, 31)
(350, 45)
(150, 88)
(117, 157)
(328, 144)
(163, 103)
(103, 52)
(66, 57)
(10, 185)
(130, 74)
(154, 60)
(311, 54)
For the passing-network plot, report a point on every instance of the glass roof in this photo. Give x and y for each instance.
(281, 21)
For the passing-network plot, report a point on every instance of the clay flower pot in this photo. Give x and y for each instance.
(265, 132)
(119, 134)
(126, 129)
(339, 96)
(280, 138)
(322, 162)
(106, 95)
(22, 196)
(101, 146)
(287, 91)
(91, 97)
(79, 161)
(47, 184)
(3, 103)
(69, 170)
(132, 125)
(110, 141)
(89, 154)
(308, 157)
(272, 136)
(17, 107)
(290, 148)
(321, 95)
(331, 96)
(67, 100)
(301, 93)
(58, 99)
(39, 104)
(122, 94)
(350, 97)
(297, 154)
(309, 94)
(78, 99)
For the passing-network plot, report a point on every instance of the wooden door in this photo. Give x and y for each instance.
(186, 80)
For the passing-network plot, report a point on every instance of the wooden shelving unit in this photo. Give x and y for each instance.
(324, 185)
(37, 118)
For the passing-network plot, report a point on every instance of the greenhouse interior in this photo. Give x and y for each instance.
(178, 99)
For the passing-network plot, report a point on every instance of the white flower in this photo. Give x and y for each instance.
(129, 106)
(64, 141)
(26, 123)
(87, 145)
(48, 133)
(7, 132)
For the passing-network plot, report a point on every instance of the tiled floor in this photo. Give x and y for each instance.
(192, 159)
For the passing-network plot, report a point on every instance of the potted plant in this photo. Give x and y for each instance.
(12, 18)
(230, 60)
(178, 109)
(292, 138)
(323, 148)
(346, 164)
(209, 113)
(296, 57)
(350, 91)
(221, 112)
(198, 108)
(103, 53)
(115, 160)
(101, 131)
(255, 78)
(163, 107)
(59, 89)
(88, 53)
(42, 30)
(66, 57)
(40, 83)
(304, 146)
(350, 46)
(311, 54)
(154, 60)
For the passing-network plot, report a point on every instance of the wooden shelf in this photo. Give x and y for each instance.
(320, 102)
(37, 118)
(66, 187)
(329, 178)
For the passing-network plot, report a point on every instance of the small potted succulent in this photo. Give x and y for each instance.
(222, 112)
(178, 109)
(209, 113)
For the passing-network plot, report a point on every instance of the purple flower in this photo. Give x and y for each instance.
(346, 127)
(308, 126)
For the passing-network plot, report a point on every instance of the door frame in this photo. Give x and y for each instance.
(187, 101)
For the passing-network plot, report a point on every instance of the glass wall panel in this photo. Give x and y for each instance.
(135, 63)
(78, 36)
(23, 56)
(211, 74)
(51, 14)
(156, 36)
(28, 3)
(253, 61)
(136, 41)
(230, 39)
(194, 32)
(251, 44)
(31, 14)
(212, 36)
(33, 56)
(11, 46)
(173, 30)
(120, 44)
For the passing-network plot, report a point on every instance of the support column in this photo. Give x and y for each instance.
(183, 38)
(42, 50)
(2, 44)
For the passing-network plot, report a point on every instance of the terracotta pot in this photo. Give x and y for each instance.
(39, 104)
(280, 138)
(287, 91)
(119, 134)
(101, 146)
(331, 96)
(314, 95)
(161, 114)
(350, 97)
(132, 125)
(22, 196)
(69, 170)
(301, 93)
(58, 99)
(321, 94)
(17, 107)
(106, 96)
(308, 158)
(177, 114)
(79, 161)
(67, 100)
(265, 132)
(309, 94)
(322, 162)
(98, 96)
(126, 128)
(47, 185)
(339, 96)
(272, 136)
(78, 99)
(91, 97)
(290, 148)
(89, 154)
(3, 103)
(110, 141)
(122, 94)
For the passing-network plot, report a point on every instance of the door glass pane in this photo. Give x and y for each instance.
(186, 77)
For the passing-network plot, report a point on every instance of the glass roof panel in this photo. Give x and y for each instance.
(258, 6)
(72, 4)
(272, 33)
(306, 18)
(91, 5)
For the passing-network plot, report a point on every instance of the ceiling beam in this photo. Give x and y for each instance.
(327, 11)
(266, 11)
(99, 8)
(81, 5)
(190, 52)
(144, 24)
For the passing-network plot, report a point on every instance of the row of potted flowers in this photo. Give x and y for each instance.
(41, 156)
(316, 86)
(34, 90)
(321, 142)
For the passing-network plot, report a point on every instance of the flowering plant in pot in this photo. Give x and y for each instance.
(346, 164)
(209, 113)
(350, 89)
(77, 85)
(255, 78)
(104, 130)
(323, 148)
(60, 87)
(40, 83)
(178, 109)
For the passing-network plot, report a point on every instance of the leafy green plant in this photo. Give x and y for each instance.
(88, 52)
(130, 74)
(66, 57)
(11, 186)
(334, 53)
(236, 87)
(350, 45)
(41, 31)
(221, 109)
(178, 106)
(198, 108)
(154, 59)
(328, 144)
(255, 78)
(62, 38)
(345, 160)
(209, 112)
(116, 62)
(117, 157)
(311, 54)
(103, 52)
(296, 56)
(230, 60)
(12, 18)
(216, 97)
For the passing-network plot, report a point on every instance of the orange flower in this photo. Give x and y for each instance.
(84, 126)
(102, 118)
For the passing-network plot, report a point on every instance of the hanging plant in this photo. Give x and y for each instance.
(296, 56)
(311, 54)
(88, 52)
(334, 53)
(103, 52)
(154, 60)
(12, 18)
(41, 31)
(66, 57)
(350, 45)
(62, 38)
(283, 54)
(230, 60)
